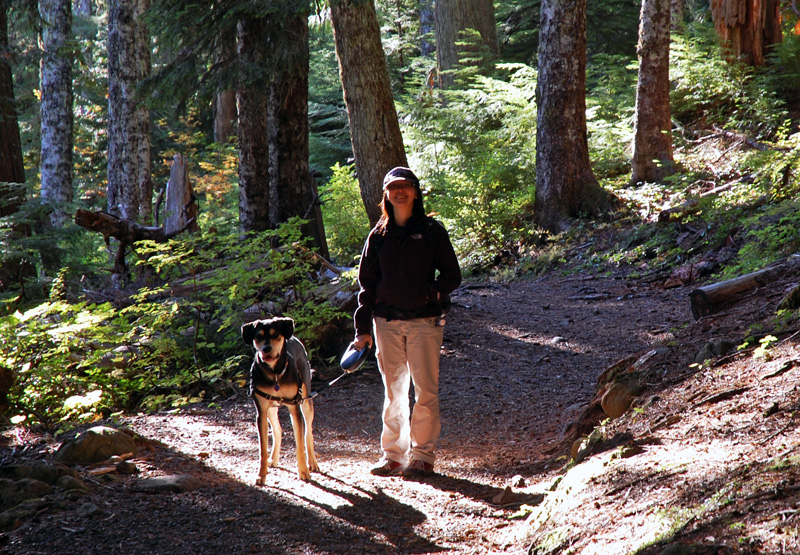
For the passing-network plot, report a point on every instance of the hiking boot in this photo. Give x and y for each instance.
(418, 469)
(387, 467)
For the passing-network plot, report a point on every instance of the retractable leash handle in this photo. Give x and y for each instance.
(351, 361)
(353, 358)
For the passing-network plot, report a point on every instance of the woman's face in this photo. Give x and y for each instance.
(401, 194)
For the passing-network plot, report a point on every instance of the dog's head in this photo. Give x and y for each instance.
(268, 338)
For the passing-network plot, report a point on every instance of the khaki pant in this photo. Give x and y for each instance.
(409, 350)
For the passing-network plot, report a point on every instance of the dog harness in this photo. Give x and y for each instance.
(296, 400)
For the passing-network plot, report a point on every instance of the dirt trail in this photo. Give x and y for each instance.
(518, 363)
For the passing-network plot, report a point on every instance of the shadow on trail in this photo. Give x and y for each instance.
(373, 511)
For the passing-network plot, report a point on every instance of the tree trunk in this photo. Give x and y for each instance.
(748, 27)
(12, 168)
(652, 124)
(374, 129)
(565, 184)
(225, 100)
(14, 268)
(56, 106)
(180, 210)
(123, 148)
(452, 18)
(287, 121)
(224, 115)
(144, 179)
(252, 99)
(427, 25)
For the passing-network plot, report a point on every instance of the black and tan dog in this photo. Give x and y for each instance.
(281, 375)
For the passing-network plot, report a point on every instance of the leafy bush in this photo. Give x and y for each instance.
(474, 152)
(346, 222)
(710, 90)
(174, 342)
(611, 81)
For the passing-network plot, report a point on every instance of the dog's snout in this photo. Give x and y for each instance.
(266, 348)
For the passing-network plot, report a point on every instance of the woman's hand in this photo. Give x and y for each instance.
(362, 341)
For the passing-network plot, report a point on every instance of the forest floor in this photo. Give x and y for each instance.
(707, 456)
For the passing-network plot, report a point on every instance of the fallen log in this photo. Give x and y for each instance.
(125, 231)
(709, 299)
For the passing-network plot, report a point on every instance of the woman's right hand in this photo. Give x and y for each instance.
(362, 341)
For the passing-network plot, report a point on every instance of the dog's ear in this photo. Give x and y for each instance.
(249, 332)
(285, 326)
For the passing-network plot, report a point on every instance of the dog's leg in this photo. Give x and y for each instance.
(262, 425)
(299, 428)
(277, 435)
(308, 417)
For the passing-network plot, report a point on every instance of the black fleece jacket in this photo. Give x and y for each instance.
(403, 269)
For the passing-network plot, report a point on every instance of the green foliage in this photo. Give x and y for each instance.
(611, 82)
(329, 139)
(474, 150)
(346, 222)
(782, 72)
(709, 90)
(773, 232)
(79, 361)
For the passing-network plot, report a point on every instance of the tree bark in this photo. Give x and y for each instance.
(180, 207)
(748, 27)
(144, 181)
(252, 99)
(12, 168)
(224, 115)
(565, 184)
(652, 124)
(225, 100)
(56, 107)
(452, 17)
(289, 130)
(123, 176)
(374, 128)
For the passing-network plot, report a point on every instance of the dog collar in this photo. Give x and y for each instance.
(265, 368)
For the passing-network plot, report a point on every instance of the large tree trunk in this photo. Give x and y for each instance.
(374, 129)
(427, 25)
(748, 27)
(288, 123)
(12, 168)
(452, 18)
(56, 106)
(224, 105)
(143, 159)
(565, 184)
(652, 124)
(123, 128)
(14, 269)
(252, 99)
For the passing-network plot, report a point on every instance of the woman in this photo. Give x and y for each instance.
(408, 270)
